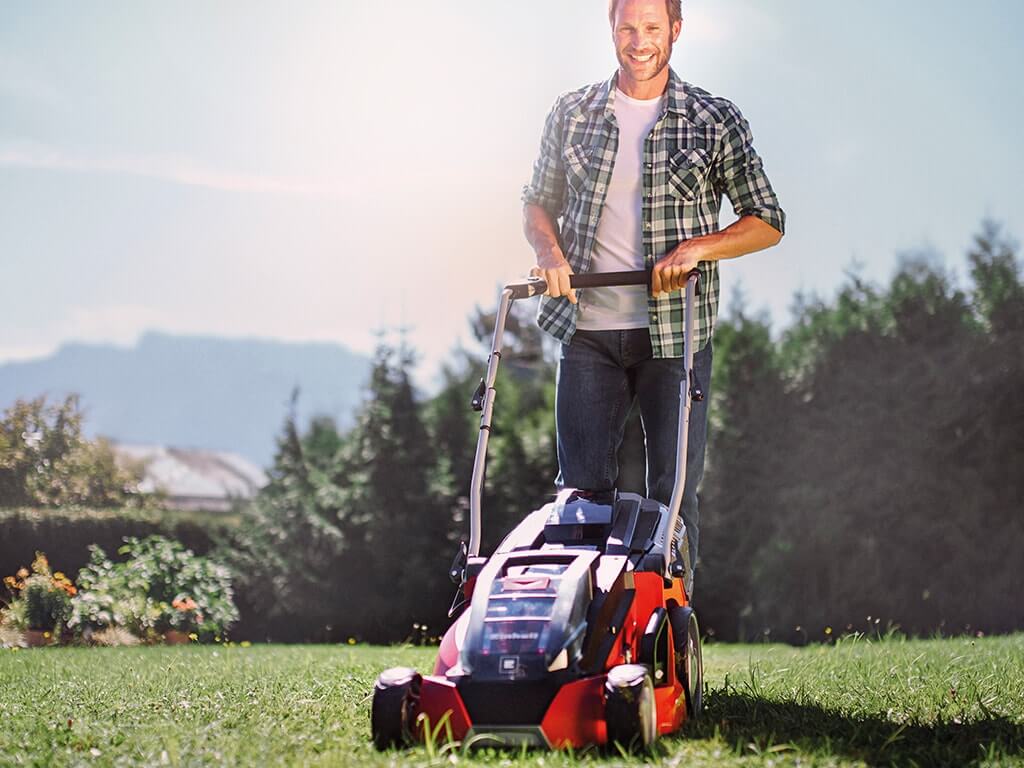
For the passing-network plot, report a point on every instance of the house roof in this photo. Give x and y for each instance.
(194, 473)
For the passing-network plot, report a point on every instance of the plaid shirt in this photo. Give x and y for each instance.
(699, 150)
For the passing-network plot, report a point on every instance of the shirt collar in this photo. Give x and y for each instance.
(675, 91)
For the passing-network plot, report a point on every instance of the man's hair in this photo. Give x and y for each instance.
(674, 8)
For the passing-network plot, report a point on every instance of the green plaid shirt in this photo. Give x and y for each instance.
(699, 150)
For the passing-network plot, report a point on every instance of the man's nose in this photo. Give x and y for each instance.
(638, 40)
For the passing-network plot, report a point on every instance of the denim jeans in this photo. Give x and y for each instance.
(600, 375)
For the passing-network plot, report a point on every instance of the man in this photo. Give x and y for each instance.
(631, 175)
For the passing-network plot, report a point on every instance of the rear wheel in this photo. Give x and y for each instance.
(392, 715)
(630, 711)
(688, 661)
(694, 661)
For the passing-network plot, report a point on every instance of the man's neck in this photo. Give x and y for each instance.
(643, 89)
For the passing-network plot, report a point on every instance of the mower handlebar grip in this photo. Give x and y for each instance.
(534, 286)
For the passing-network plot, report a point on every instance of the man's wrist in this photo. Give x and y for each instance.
(548, 252)
(699, 248)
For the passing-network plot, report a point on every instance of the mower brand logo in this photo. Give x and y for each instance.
(508, 665)
(515, 636)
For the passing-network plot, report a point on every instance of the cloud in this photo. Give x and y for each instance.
(175, 169)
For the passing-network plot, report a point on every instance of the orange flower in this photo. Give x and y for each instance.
(184, 604)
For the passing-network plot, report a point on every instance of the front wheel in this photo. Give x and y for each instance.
(630, 711)
(396, 695)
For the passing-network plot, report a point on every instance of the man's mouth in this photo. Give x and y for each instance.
(641, 59)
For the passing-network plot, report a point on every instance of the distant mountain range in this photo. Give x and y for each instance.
(195, 392)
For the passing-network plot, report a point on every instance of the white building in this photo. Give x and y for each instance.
(195, 479)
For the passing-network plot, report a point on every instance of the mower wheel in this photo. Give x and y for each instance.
(694, 661)
(392, 716)
(630, 711)
(688, 658)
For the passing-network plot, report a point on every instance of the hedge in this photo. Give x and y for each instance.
(65, 534)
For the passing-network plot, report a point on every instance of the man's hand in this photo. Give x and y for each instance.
(541, 232)
(553, 267)
(745, 235)
(670, 272)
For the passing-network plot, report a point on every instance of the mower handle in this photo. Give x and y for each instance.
(534, 286)
(483, 399)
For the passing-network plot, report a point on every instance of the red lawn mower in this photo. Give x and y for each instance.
(578, 630)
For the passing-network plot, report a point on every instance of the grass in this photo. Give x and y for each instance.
(949, 702)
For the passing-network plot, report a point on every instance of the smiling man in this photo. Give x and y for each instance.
(631, 175)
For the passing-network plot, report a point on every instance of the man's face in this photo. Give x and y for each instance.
(643, 38)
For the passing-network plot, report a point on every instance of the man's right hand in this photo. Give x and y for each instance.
(553, 267)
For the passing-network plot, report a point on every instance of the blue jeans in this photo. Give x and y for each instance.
(600, 375)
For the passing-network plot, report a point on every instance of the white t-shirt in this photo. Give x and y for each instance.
(619, 243)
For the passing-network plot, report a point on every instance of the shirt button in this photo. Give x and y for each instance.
(647, 226)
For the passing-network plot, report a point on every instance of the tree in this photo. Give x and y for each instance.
(387, 470)
(291, 552)
(739, 501)
(45, 460)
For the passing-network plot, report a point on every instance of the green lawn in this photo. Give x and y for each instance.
(935, 702)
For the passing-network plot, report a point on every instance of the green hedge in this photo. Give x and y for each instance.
(65, 534)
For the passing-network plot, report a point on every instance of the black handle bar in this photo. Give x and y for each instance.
(532, 286)
(606, 279)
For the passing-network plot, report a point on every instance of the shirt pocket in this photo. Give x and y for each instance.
(688, 173)
(576, 158)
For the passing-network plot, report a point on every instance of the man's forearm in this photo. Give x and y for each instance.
(745, 235)
(540, 230)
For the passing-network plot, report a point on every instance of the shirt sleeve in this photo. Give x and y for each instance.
(741, 175)
(547, 187)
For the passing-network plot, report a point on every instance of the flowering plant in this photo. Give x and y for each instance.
(112, 595)
(160, 587)
(42, 598)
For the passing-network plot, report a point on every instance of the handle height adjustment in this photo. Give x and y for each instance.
(696, 392)
(477, 401)
(457, 570)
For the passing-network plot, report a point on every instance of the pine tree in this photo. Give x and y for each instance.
(387, 469)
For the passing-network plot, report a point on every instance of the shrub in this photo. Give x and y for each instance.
(112, 595)
(161, 586)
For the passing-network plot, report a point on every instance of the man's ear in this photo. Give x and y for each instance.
(677, 27)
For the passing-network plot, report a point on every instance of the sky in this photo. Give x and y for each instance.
(329, 169)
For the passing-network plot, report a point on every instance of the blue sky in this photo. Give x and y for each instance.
(320, 170)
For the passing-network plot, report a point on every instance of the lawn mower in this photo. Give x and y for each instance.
(578, 629)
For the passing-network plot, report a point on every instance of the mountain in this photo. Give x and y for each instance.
(195, 392)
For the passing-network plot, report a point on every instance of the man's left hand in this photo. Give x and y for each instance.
(671, 270)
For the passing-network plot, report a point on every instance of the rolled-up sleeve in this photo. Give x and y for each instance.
(741, 174)
(547, 187)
